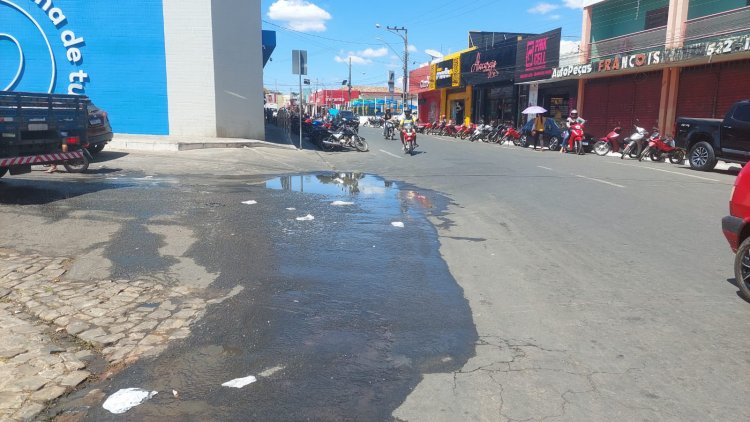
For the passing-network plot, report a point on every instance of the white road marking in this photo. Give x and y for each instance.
(392, 155)
(600, 181)
(666, 171)
(546, 168)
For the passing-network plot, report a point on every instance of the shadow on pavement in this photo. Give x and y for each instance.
(733, 282)
(105, 156)
(35, 192)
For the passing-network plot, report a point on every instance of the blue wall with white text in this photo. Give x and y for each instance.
(111, 51)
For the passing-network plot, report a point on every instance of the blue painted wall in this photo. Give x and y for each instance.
(122, 54)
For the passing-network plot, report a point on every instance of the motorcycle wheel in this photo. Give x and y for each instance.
(656, 156)
(328, 144)
(644, 153)
(742, 268)
(410, 148)
(554, 143)
(77, 166)
(677, 157)
(633, 153)
(361, 144)
(523, 141)
(602, 148)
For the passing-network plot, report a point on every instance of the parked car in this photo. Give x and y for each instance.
(736, 228)
(709, 140)
(99, 130)
(349, 118)
(552, 133)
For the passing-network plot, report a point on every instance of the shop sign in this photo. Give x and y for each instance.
(572, 70)
(537, 56)
(712, 47)
(489, 65)
(424, 84)
(630, 61)
(445, 73)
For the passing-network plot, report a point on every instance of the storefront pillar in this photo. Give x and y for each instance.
(468, 103)
(581, 95)
(671, 107)
(444, 102)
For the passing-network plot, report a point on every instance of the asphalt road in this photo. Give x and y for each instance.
(598, 288)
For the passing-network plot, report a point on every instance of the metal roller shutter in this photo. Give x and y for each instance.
(595, 106)
(647, 89)
(697, 91)
(734, 86)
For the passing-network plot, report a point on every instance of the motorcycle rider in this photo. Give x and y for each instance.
(569, 122)
(408, 118)
(386, 117)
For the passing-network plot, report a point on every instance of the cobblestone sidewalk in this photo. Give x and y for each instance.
(53, 328)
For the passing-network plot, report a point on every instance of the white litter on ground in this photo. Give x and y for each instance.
(397, 224)
(270, 371)
(127, 398)
(308, 217)
(250, 202)
(240, 382)
(341, 203)
(291, 209)
(339, 180)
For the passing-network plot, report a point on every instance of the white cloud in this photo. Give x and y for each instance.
(569, 47)
(355, 59)
(554, 17)
(543, 8)
(576, 4)
(369, 52)
(412, 48)
(300, 15)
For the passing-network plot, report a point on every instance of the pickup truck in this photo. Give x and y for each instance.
(709, 140)
(42, 129)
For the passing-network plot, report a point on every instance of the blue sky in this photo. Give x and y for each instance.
(333, 30)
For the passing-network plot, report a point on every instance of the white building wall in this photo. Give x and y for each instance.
(238, 68)
(188, 42)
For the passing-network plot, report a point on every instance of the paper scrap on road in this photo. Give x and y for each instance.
(127, 398)
(397, 224)
(250, 202)
(341, 203)
(339, 180)
(291, 209)
(308, 217)
(240, 382)
(270, 371)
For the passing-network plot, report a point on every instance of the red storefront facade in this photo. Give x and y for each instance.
(332, 97)
(428, 101)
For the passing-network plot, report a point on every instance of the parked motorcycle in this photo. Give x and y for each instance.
(409, 135)
(480, 132)
(658, 148)
(344, 137)
(608, 143)
(634, 143)
(80, 165)
(513, 135)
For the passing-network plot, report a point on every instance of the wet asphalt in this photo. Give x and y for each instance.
(339, 316)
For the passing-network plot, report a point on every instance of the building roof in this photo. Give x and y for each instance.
(374, 89)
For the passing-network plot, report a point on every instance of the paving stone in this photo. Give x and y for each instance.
(92, 334)
(151, 340)
(48, 393)
(31, 383)
(10, 400)
(110, 339)
(85, 355)
(28, 411)
(77, 327)
(146, 326)
(4, 292)
(159, 314)
(74, 378)
(11, 353)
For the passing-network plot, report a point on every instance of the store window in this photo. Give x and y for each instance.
(657, 17)
(558, 107)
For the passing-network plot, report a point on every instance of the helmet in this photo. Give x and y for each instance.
(407, 112)
(574, 111)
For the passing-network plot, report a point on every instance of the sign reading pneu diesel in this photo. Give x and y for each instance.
(112, 52)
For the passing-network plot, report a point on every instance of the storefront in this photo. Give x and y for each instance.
(428, 100)
(136, 61)
(708, 91)
(455, 98)
(490, 73)
(536, 58)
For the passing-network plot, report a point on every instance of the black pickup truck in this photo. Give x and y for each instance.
(709, 140)
(43, 129)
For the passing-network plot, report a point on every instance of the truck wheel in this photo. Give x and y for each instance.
(77, 166)
(702, 156)
(3, 171)
(742, 268)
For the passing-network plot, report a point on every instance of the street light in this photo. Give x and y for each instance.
(405, 37)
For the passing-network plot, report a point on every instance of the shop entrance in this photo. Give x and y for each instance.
(458, 111)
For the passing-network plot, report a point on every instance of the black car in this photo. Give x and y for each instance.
(99, 129)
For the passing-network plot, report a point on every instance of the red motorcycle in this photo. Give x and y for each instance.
(409, 138)
(659, 147)
(450, 130)
(575, 140)
(466, 131)
(611, 142)
(511, 134)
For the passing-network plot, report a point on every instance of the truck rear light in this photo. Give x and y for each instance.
(6, 119)
(72, 140)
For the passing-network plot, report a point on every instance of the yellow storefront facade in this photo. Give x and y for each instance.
(455, 99)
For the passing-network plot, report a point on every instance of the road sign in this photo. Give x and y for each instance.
(299, 62)
(391, 81)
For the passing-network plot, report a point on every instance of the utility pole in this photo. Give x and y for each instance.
(350, 82)
(405, 37)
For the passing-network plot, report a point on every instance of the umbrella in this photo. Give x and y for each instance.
(333, 112)
(534, 110)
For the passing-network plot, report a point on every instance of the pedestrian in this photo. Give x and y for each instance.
(538, 130)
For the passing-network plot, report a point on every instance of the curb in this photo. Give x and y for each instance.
(167, 146)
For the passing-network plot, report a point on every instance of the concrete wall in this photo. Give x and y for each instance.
(238, 68)
(621, 17)
(696, 9)
(190, 72)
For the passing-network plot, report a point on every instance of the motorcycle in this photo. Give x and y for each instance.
(608, 143)
(513, 135)
(80, 165)
(450, 130)
(634, 143)
(409, 137)
(576, 138)
(465, 131)
(344, 136)
(659, 147)
(390, 130)
(424, 127)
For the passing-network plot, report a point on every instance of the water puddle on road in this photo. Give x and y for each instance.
(341, 314)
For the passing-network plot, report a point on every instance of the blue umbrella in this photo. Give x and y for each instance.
(333, 112)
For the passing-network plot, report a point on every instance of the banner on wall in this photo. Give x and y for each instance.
(537, 56)
(443, 72)
(490, 65)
